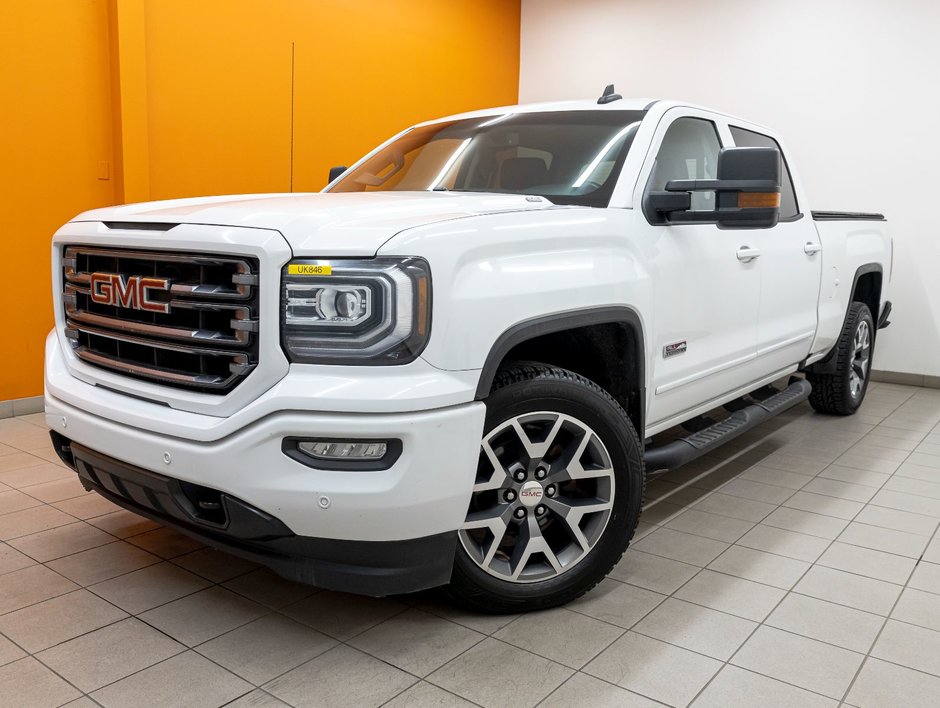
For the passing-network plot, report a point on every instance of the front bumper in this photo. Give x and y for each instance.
(396, 525)
(226, 522)
(425, 492)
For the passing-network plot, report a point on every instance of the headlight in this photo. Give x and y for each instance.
(375, 311)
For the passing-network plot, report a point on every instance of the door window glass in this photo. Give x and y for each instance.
(748, 138)
(689, 151)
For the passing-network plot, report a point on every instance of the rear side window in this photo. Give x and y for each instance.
(748, 138)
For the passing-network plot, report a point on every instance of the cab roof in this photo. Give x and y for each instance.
(659, 106)
(623, 104)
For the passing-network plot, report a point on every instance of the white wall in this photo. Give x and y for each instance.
(854, 86)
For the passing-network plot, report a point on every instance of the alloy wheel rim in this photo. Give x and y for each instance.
(861, 354)
(542, 497)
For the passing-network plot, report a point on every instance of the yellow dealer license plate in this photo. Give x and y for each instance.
(309, 269)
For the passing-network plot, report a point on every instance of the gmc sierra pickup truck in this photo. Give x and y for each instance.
(452, 365)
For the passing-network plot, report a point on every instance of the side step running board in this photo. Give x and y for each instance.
(679, 452)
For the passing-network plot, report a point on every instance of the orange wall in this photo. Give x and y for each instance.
(55, 131)
(195, 97)
(219, 83)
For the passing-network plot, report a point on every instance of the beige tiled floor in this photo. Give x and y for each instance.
(799, 565)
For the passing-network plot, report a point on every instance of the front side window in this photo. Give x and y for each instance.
(748, 138)
(568, 157)
(689, 151)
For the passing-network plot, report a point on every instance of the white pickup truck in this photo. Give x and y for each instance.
(452, 366)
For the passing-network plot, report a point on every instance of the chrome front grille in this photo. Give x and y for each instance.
(183, 320)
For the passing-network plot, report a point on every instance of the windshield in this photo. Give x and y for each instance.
(568, 157)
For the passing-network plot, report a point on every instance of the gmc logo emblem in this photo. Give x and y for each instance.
(132, 292)
(531, 493)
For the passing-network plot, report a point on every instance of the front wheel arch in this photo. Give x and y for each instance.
(615, 333)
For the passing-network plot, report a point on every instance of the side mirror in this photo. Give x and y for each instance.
(336, 172)
(747, 193)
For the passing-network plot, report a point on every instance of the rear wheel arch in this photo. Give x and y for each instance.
(605, 345)
(866, 288)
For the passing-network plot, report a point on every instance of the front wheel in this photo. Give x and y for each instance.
(842, 392)
(557, 495)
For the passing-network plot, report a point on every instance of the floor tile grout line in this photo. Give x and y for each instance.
(119, 575)
(888, 528)
(440, 688)
(254, 685)
(269, 611)
(769, 614)
(698, 604)
(837, 539)
(596, 678)
(133, 673)
(185, 648)
(345, 642)
(885, 624)
(128, 615)
(49, 668)
(766, 676)
(836, 602)
(622, 631)
(903, 666)
(758, 625)
(501, 641)
(787, 594)
(67, 555)
(508, 644)
(777, 506)
(629, 690)
(88, 588)
(228, 703)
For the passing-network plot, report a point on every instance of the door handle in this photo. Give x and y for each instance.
(747, 254)
(811, 248)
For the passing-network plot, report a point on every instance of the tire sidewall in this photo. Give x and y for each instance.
(610, 423)
(860, 314)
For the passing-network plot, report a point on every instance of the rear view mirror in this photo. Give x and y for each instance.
(751, 197)
(747, 193)
(336, 172)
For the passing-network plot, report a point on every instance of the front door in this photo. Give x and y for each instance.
(706, 285)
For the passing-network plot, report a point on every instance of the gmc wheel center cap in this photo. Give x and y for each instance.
(531, 493)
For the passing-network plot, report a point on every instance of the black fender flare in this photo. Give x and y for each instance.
(559, 322)
(827, 365)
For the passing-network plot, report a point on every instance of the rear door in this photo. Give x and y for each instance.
(791, 262)
(705, 295)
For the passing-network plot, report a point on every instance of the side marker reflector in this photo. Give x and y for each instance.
(758, 200)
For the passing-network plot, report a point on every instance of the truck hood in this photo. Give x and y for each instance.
(322, 223)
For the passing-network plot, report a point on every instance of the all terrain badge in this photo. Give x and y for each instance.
(674, 349)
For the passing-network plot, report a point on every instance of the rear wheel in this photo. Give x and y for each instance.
(557, 495)
(842, 392)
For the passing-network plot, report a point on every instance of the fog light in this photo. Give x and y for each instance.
(344, 450)
(343, 455)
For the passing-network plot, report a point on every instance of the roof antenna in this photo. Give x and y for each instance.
(609, 96)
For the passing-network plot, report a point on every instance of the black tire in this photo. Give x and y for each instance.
(842, 392)
(529, 388)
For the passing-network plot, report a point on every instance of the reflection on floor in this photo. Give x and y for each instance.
(798, 565)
